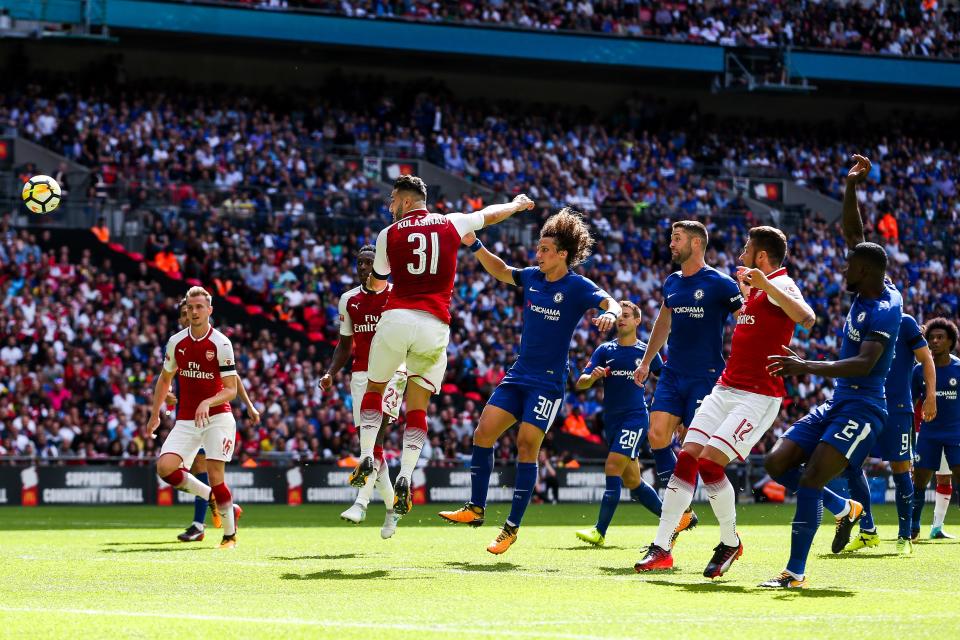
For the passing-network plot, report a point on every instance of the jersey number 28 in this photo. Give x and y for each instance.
(423, 254)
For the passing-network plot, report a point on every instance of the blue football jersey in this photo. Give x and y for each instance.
(699, 306)
(947, 422)
(551, 312)
(879, 320)
(898, 383)
(621, 395)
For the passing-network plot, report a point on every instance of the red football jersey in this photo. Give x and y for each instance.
(420, 252)
(360, 311)
(763, 329)
(200, 363)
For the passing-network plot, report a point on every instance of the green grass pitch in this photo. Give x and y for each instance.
(83, 572)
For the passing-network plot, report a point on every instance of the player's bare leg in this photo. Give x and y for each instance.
(224, 501)
(494, 421)
(621, 471)
(723, 500)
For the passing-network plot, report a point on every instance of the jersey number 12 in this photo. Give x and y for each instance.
(421, 252)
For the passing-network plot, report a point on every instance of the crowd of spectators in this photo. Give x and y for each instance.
(306, 205)
(895, 27)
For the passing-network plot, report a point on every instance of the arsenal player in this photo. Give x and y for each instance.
(360, 310)
(743, 404)
(419, 251)
(202, 359)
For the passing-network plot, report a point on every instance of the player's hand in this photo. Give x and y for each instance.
(253, 414)
(788, 365)
(152, 425)
(641, 374)
(202, 417)
(860, 170)
(753, 278)
(468, 239)
(523, 203)
(929, 408)
(605, 321)
(599, 372)
(326, 382)
(170, 399)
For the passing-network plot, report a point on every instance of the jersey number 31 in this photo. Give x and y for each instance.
(423, 254)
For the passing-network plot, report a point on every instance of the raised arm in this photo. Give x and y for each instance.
(852, 221)
(491, 263)
(497, 213)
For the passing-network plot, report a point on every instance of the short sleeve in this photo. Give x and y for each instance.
(884, 325)
(381, 266)
(917, 385)
(912, 334)
(464, 223)
(733, 297)
(169, 357)
(665, 291)
(346, 322)
(600, 353)
(591, 294)
(521, 277)
(228, 366)
(788, 287)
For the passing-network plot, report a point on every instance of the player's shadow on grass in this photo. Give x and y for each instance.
(152, 543)
(499, 567)
(583, 547)
(336, 574)
(858, 556)
(713, 587)
(332, 556)
(618, 571)
(162, 550)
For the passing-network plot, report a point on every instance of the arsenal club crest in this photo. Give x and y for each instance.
(211, 355)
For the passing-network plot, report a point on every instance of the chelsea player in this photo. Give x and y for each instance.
(555, 299)
(841, 432)
(625, 419)
(893, 444)
(940, 437)
(697, 300)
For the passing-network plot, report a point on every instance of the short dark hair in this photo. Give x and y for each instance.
(367, 248)
(946, 325)
(626, 304)
(181, 304)
(571, 234)
(412, 184)
(694, 228)
(771, 240)
(871, 253)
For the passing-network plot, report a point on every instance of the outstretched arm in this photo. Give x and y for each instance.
(857, 366)
(499, 212)
(491, 263)
(852, 221)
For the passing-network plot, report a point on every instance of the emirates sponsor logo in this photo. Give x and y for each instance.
(746, 319)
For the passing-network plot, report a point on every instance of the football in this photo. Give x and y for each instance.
(41, 194)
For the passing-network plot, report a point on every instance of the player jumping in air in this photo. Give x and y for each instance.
(195, 532)
(360, 310)
(940, 437)
(625, 418)
(419, 251)
(697, 300)
(841, 432)
(555, 299)
(893, 444)
(743, 404)
(202, 359)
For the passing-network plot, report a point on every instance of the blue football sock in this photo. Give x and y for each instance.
(648, 497)
(834, 502)
(481, 466)
(919, 499)
(904, 484)
(790, 480)
(199, 504)
(805, 525)
(665, 460)
(860, 491)
(526, 480)
(608, 505)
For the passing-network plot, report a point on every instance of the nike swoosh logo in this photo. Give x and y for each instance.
(532, 289)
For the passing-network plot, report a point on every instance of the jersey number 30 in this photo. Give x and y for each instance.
(423, 253)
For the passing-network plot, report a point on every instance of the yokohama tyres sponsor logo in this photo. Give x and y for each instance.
(693, 312)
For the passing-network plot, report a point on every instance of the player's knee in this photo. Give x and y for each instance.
(527, 450)
(614, 467)
(775, 465)
(174, 477)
